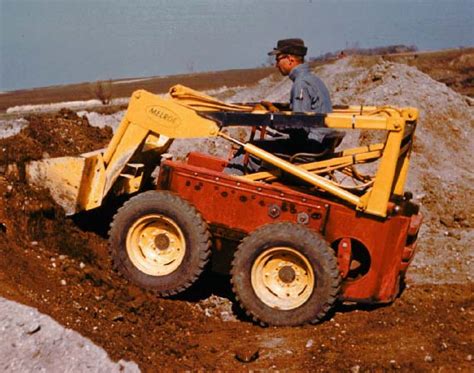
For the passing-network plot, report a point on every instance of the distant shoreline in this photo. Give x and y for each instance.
(125, 86)
(426, 61)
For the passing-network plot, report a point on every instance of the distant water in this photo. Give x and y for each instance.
(48, 42)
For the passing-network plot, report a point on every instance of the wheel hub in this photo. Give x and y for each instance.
(162, 242)
(156, 245)
(282, 278)
(287, 274)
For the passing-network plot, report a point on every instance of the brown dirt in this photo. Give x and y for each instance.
(47, 262)
(52, 135)
(62, 267)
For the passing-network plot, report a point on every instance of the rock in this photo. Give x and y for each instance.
(138, 301)
(429, 358)
(377, 76)
(71, 271)
(447, 221)
(227, 316)
(309, 343)
(34, 342)
(63, 282)
(247, 355)
(394, 364)
(110, 294)
(355, 369)
(35, 328)
(117, 316)
(12, 172)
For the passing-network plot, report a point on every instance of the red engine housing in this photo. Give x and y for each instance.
(373, 253)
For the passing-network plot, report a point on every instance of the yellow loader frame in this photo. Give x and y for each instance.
(151, 123)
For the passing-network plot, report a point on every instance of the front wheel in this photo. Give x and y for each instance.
(159, 242)
(285, 274)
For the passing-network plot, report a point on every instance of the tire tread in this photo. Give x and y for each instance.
(200, 227)
(306, 237)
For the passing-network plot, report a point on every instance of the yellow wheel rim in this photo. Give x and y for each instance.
(282, 278)
(156, 245)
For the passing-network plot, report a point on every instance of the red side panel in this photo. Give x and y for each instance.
(384, 240)
(240, 205)
(243, 206)
(207, 161)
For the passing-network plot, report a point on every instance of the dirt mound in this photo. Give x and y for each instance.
(48, 261)
(440, 173)
(52, 135)
(453, 67)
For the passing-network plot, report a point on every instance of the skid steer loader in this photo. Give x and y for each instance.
(305, 239)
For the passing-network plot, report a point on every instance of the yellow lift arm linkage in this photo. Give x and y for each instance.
(152, 122)
(394, 159)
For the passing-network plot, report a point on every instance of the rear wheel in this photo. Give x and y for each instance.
(285, 274)
(160, 242)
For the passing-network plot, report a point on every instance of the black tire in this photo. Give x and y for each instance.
(142, 242)
(285, 274)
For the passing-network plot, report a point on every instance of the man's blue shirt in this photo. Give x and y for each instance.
(309, 94)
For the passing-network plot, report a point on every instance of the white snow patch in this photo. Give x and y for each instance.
(103, 120)
(73, 105)
(131, 80)
(11, 127)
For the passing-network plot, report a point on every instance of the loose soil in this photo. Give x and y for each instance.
(61, 266)
(53, 135)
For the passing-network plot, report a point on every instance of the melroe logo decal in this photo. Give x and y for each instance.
(165, 116)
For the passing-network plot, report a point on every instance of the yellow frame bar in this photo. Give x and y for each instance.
(391, 173)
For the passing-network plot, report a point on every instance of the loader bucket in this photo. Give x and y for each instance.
(62, 176)
(70, 180)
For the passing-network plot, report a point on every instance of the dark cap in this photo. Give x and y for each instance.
(289, 46)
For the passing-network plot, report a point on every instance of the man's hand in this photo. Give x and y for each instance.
(259, 107)
(269, 106)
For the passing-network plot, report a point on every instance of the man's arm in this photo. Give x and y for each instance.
(300, 98)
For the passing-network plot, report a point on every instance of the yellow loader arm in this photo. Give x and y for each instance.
(151, 123)
(146, 131)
